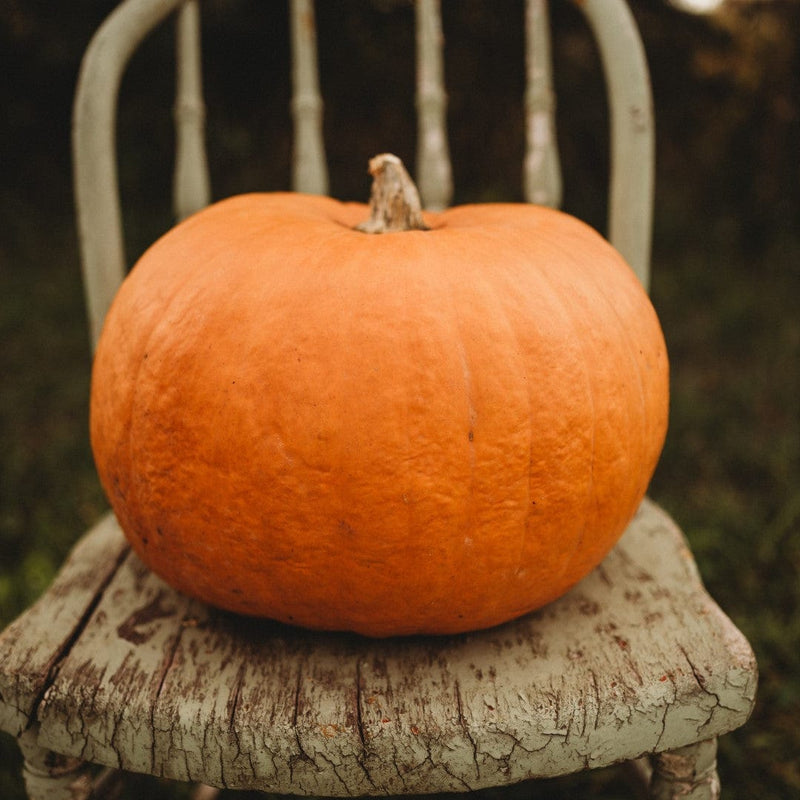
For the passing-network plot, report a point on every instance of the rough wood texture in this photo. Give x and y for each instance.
(30, 648)
(689, 773)
(636, 659)
(49, 776)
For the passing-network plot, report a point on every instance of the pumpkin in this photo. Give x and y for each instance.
(430, 430)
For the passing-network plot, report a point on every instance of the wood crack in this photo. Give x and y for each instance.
(362, 734)
(168, 662)
(596, 689)
(334, 769)
(458, 779)
(465, 727)
(233, 706)
(60, 655)
(701, 681)
(359, 720)
(301, 755)
(669, 704)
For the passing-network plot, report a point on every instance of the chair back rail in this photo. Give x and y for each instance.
(630, 100)
(97, 199)
(96, 183)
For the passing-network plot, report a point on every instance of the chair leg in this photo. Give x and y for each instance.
(689, 773)
(50, 776)
(639, 774)
(203, 792)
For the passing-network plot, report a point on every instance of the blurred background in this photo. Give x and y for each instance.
(726, 265)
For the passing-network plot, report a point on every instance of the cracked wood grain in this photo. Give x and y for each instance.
(636, 659)
(100, 706)
(31, 648)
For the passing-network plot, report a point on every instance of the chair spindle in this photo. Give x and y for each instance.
(309, 168)
(434, 172)
(191, 186)
(542, 171)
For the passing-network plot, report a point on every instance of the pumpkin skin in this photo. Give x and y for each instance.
(419, 432)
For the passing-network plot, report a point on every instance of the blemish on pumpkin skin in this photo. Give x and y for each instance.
(117, 486)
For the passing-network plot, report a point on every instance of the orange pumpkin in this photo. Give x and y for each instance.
(425, 431)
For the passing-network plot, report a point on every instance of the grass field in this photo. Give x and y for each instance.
(728, 298)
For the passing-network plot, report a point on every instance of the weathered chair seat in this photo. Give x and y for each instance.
(113, 667)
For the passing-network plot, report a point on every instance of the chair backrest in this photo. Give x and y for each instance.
(96, 185)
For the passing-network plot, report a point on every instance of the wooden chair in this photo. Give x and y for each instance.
(112, 667)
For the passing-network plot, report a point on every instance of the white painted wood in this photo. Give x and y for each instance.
(434, 171)
(50, 776)
(541, 170)
(205, 792)
(191, 184)
(94, 144)
(637, 659)
(30, 648)
(688, 773)
(309, 168)
(632, 130)
(114, 672)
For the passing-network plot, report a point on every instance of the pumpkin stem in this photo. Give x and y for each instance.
(394, 203)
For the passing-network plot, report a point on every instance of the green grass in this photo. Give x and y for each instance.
(48, 489)
(730, 473)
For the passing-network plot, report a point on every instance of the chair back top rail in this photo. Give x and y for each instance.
(96, 183)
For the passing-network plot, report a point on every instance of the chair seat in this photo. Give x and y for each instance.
(116, 668)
